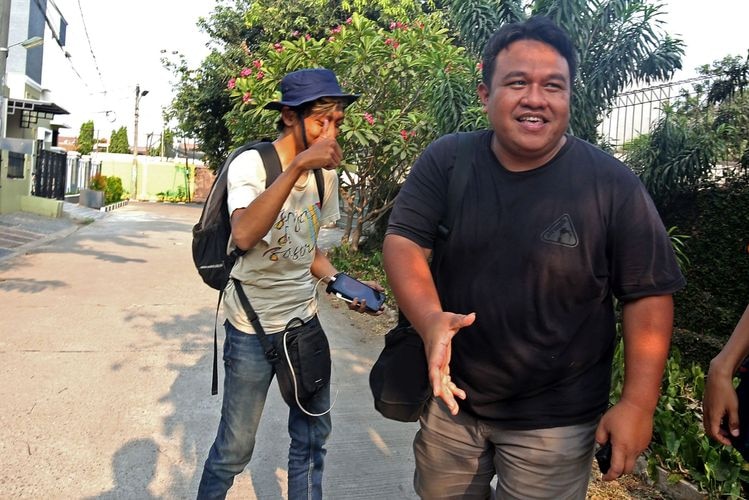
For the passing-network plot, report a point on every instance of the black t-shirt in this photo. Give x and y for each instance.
(538, 255)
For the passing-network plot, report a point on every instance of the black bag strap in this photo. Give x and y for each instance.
(462, 169)
(270, 352)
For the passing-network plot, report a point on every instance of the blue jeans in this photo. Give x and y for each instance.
(248, 376)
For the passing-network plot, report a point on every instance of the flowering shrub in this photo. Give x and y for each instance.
(414, 83)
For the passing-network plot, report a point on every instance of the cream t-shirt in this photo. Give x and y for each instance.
(276, 273)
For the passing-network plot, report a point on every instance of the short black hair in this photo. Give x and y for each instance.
(539, 28)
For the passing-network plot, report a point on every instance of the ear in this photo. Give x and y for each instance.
(483, 92)
(289, 116)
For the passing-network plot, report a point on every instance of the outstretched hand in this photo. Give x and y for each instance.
(438, 347)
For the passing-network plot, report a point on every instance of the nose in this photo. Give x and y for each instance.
(534, 97)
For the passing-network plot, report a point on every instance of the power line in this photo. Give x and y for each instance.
(56, 37)
(91, 48)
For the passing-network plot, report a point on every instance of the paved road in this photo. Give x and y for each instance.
(105, 357)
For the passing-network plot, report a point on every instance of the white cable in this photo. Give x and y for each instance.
(293, 375)
(293, 379)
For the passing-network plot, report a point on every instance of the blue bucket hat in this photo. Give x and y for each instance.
(307, 85)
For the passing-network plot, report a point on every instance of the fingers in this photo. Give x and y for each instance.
(602, 435)
(327, 131)
(463, 320)
(361, 307)
(444, 388)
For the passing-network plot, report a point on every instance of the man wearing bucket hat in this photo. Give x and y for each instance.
(279, 272)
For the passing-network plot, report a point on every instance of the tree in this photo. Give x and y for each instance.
(118, 143)
(699, 130)
(86, 138)
(619, 42)
(236, 28)
(167, 141)
(423, 84)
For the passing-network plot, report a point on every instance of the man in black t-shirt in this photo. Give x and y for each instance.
(518, 320)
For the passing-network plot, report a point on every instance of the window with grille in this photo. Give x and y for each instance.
(15, 165)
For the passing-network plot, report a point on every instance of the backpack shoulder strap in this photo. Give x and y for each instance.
(271, 161)
(273, 166)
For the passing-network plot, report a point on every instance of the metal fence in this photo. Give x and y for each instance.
(80, 170)
(49, 175)
(635, 112)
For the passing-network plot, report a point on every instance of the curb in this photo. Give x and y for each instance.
(27, 247)
(113, 206)
(682, 489)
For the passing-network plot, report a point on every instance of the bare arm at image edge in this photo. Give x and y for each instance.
(720, 400)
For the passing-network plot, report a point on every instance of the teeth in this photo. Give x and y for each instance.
(530, 119)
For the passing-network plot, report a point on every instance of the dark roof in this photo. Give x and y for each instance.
(44, 109)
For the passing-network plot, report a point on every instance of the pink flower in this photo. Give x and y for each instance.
(260, 75)
(480, 66)
(232, 83)
(337, 29)
(392, 25)
(295, 34)
(404, 134)
(278, 47)
(245, 72)
(349, 20)
(331, 39)
(247, 97)
(370, 119)
(257, 63)
(308, 37)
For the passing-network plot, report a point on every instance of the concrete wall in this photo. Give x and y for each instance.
(154, 174)
(11, 190)
(41, 206)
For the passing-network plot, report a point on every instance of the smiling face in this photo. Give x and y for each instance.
(528, 104)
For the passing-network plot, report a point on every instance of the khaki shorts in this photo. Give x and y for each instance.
(458, 456)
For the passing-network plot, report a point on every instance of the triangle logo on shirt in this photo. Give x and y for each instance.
(561, 232)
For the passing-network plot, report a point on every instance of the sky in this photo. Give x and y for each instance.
(116, 44)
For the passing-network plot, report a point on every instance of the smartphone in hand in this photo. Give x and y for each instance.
(347, 288)
(603, 457)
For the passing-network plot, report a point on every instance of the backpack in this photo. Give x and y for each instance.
(210, 236)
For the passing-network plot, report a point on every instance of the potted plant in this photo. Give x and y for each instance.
(93, 197)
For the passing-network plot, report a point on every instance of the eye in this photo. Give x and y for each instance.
(516, 83)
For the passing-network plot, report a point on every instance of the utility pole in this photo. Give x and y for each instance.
(138, 95)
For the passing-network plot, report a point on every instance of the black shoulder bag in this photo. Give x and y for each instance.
(301, 361)
(399, 379)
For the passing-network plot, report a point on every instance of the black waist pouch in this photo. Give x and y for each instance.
(303, 361)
